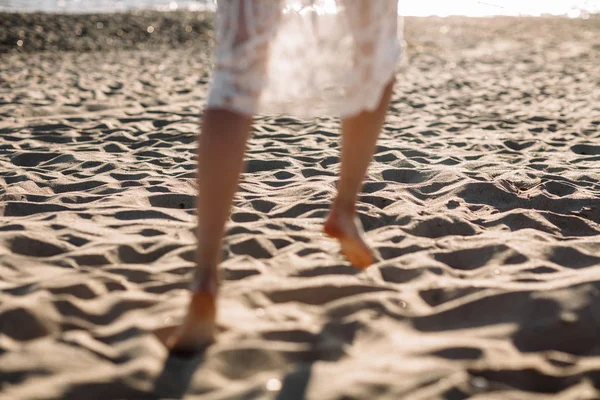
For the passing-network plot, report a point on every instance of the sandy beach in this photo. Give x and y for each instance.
(482, 204)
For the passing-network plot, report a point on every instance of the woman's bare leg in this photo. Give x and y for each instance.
(221, 147)
(359, 138)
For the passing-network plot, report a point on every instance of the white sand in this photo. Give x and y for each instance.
(483, 204)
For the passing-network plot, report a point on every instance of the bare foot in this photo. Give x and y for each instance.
(346, 228)
(198, 328)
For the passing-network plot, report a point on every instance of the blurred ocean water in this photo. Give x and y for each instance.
(570, 8)
(97, 6)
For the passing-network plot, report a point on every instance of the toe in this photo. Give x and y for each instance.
(357, 254)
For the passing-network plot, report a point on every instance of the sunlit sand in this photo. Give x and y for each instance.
(480, 210)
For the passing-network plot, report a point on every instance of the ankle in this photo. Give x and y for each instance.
(343, 207)
(205, 280)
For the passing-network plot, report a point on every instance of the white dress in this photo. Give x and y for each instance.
(304, 57)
